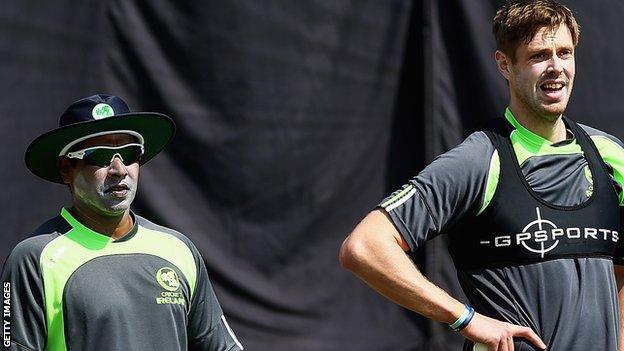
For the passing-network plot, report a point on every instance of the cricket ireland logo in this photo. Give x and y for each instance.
(168, 279)
(102, 111)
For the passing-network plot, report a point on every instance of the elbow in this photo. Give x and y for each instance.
(345, 256)
(351, 253)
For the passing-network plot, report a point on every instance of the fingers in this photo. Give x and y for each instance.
(530, 335)
(502, 345)
(510, 343)
(494, 335)
(493, 347)
(506, 344)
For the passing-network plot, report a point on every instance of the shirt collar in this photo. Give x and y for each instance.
(533, 138)
(93, 235)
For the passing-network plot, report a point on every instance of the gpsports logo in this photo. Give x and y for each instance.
(541, 236)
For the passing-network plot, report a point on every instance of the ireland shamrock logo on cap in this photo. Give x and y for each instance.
(102, 111)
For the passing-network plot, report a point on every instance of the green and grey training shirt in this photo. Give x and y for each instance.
(75, 289)
(571, 303)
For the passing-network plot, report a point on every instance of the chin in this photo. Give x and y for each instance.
(114, 210)
(111, 212)
(554, 111)
(550, 115)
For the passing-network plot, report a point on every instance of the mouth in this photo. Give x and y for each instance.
(553, 90)
(117, 189)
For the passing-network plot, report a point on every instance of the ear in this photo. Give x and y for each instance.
(503, 63)
(65, 168)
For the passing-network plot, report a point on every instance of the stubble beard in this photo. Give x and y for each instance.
(550, 112)
(102, 203)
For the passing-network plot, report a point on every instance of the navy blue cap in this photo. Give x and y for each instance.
(93, 108)
(96, 115)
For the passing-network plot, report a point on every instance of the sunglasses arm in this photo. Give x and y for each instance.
(76, 154)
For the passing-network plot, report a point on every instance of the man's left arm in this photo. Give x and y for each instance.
(618, 269)
(619, 278)
(207, 327)
(611, 150)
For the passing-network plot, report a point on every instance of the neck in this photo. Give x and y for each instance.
(551, 130)
(114, 227)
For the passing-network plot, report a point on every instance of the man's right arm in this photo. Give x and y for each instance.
(376, 252)
(207, 327)
(24, 319)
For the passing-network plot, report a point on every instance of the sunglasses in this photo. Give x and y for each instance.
(102, 156)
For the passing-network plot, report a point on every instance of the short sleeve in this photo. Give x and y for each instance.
(207, 327)
(23, 286)
(447, 189)
(611, 150)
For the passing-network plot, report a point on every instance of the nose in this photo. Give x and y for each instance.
(555, 65)
(117, 167)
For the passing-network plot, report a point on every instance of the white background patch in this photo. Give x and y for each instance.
(102, 111)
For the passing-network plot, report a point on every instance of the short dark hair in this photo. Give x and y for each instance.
(519, 21)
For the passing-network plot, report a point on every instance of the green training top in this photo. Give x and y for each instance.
(75, 289)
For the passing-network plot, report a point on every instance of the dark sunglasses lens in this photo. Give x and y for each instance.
(130, 154)
(103, 157)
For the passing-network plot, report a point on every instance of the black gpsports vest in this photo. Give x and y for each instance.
(518, 227)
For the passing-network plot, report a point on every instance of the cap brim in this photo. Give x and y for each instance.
(41, 155)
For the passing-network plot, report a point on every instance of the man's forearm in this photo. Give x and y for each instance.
(375, 252)
(377, 259)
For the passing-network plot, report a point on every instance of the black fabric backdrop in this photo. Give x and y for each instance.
(294, 120)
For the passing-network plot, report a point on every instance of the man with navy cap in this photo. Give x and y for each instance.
(98, 276)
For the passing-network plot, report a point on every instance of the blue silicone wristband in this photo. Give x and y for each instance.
(463, 319)
(467, 320)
